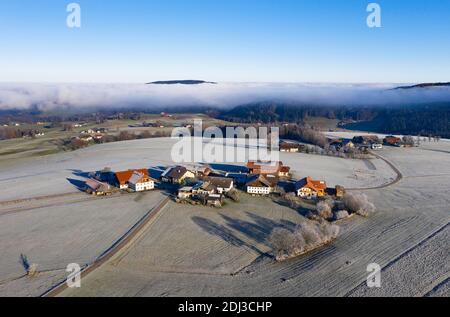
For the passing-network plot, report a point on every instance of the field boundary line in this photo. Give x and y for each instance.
(114, 249)
(392, 166)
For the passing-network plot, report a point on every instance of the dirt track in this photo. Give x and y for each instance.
(395, 181)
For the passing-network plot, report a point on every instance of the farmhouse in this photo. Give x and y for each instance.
(214, 200)
(309, 188)
(222, 184)
(376, 146)
(392, 141)
(203, 189)
(338, 191)
(268, 168)
(203, 171)
(366, 139)
(123, 177)
(261, 185)
(289, 147)
(95, 187)
(339, 144)
(185, 192)
(176, 175)
(140, 182)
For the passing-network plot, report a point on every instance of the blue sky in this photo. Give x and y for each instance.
(137, 41)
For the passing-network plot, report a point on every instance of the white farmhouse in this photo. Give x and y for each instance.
(261, 185)
(140, 182)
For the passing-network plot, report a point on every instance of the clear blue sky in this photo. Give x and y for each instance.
(225, 40)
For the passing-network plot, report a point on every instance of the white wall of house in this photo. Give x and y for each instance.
(140, 187)
(222, 190)
(258, 190)
(306, 193)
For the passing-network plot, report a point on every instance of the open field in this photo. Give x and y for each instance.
(411, 216)
(63, 232)
(50, 143)
(196, 251)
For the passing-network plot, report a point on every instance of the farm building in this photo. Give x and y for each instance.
(268, 168)
(95, 187)
(309, 188)
(203, 189)
(123, 177)
(261, 185)
(366, 139)
(176, 175)
(289, 147)
(339, 191)
(376, 146)
(339, 144)
(214, 200)
(140, 182)
(203, 171)
(392, 141)
(185, 192)
(222, 184)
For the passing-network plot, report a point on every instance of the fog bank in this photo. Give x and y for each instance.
(222, 95)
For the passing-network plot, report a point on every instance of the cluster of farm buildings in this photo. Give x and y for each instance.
(206, 186)
(361, 143)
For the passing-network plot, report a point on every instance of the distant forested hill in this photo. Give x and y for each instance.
(418, 119)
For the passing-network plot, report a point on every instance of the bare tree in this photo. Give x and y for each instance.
(359, 204)
(306, 237)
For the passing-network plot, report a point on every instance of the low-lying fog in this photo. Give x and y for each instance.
(221, 95)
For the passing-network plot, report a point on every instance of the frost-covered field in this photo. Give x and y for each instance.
(408, 237)
(66, 232)
(194, 251)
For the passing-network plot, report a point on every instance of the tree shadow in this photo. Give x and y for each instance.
(224, 233)
(257, 229)
(23, 260)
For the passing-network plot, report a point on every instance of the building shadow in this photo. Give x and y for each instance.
(78, 184)
(80, 173)
(229, 168)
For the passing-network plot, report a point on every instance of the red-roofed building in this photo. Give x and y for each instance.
(309, 188)
(123, 177)
(268, 168)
